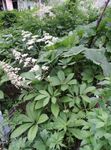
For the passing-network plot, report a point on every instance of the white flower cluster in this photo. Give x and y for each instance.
(23, 58)
(29, 39)
(45, 10)
(11, 72)
(48, 39)
(32, 40)
(29, 62)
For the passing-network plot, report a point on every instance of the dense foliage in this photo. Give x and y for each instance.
(55, 84)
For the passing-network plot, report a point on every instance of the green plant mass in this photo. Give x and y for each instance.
(55, 77)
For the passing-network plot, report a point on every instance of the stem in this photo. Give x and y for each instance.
(92, 40)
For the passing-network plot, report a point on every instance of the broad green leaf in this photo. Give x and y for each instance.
(20, 130)
(64, 87)
(53, 99)
(61, 75)
(50, 90)
(86, 98)
(55, 109)
(72, 82)
(28, 75)
(80, 134)
(39, 97)
(43, 92)
(89, 89)
(98, 57)
(69, 77)
(39, 104)
(42, 118)
(29, 97)
(54, 81)
(82, 88)
(32, 132)
(24, 118)
(1, 95)
(31, 112)
(74, 51)
(46, 101)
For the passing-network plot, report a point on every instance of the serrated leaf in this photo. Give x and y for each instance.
(20, 130)
(55, 109)
(42, 118)
(32, 132)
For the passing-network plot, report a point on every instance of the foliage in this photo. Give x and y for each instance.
(65, 102)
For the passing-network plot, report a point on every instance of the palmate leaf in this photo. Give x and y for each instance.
(20, 130)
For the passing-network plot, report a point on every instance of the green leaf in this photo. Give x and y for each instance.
(54, 81)
(86, 98)
(55, 109)
(1, 95)
(28, 75)
(42, 118)
(98, 57)
(61, 75)
(64, 87)
(69, 77)
(82, 88)
(80, 134)
(39, 104)
(20, 130)
(89, 89)
(30, 111)
(72, 82)
(32, 132)
(46, 101)
(53, 99)
(29, 97)
(39, 97)
(74, 51)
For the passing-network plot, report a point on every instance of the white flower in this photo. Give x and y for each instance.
(38, 77)
(28, 59)
(12, 75)
(24, 39)
(35, 68)
(24, 55)
(40, 40)
(33, 60)
(30, 42)
(45, 68)
(30, 47)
